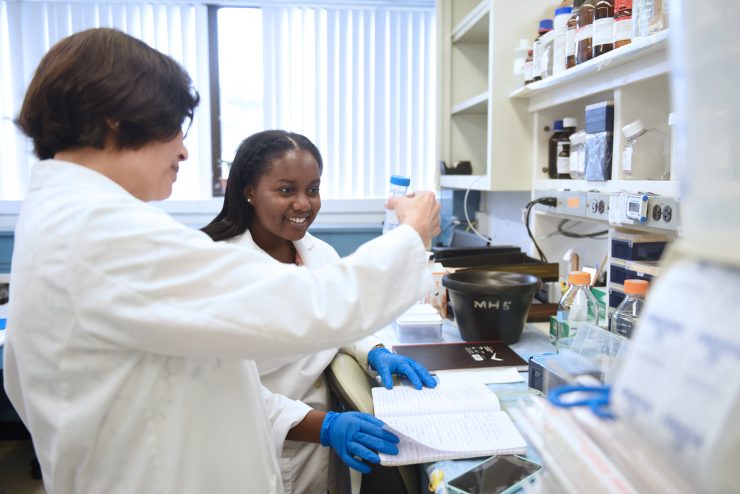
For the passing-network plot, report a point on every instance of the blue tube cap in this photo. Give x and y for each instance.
(546, 25)
(400, 180)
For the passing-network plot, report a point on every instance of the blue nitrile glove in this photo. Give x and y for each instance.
(356, 436)
(386, 363)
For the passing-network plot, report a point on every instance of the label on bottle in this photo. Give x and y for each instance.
(519, 65)
(558, 57)
(603, 31)
(584, 33)
(570, 43)
(623, 29)
(627, 159)
(537, 57)
(563, 161)
(545, 61)
(391, 220)
(528, 70)
(576, 155)
(622, 5)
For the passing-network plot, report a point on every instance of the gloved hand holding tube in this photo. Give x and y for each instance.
(386, 363)
(357, 438)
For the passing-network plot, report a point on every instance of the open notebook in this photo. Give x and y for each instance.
(445, 423)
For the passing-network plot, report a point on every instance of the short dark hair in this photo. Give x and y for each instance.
(98, 77)
(254, 157)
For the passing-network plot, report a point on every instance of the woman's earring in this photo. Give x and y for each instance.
(249, 200)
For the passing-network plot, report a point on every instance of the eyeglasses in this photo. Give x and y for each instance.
(186, 124)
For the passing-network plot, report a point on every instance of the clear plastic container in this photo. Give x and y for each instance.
(399, 187)
(646, 156)
(648, 17)
(420, 324)
(627, 314)
(578, 155)
(578, 306)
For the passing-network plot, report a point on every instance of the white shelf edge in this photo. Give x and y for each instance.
(659, 187)
(473, 182)
(476, 104)
(470, 20)
(634, 51)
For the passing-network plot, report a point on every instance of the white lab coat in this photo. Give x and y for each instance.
(132, 339)
(305, 466)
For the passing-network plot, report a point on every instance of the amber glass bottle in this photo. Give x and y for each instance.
(585, 32)
(570, 36)
(603, 37)
(622, 22)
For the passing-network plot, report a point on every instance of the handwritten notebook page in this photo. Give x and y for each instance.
(447, 422)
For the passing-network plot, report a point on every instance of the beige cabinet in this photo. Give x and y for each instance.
(478, 121)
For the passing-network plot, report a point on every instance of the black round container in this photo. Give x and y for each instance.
(491, 305)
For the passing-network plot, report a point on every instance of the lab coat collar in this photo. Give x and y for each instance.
(304, 246)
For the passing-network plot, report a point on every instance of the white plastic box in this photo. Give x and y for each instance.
(420, 324)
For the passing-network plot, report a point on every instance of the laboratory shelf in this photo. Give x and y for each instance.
(642, 59)
(475, 105)
(474, 27)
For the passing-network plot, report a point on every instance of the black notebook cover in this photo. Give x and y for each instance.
(464, 355)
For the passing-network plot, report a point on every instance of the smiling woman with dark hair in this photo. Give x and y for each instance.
(272, 197)
(132, 339)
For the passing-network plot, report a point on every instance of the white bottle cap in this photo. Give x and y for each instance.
(570, 122)
(577, 138)
(631, 130)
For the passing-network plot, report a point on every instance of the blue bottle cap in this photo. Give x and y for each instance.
(563, 10)
(546, 25)
(557, 125)
(400, 180)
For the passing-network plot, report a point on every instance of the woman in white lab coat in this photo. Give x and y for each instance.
(272, 197)
(132, 339)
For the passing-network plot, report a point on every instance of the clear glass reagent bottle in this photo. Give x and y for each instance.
(577, 307)
(399, 187)
(628, 311)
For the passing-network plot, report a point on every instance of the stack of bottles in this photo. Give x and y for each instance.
(587, 153)
(587, 29)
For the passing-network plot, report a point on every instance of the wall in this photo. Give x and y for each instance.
(500, 218)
